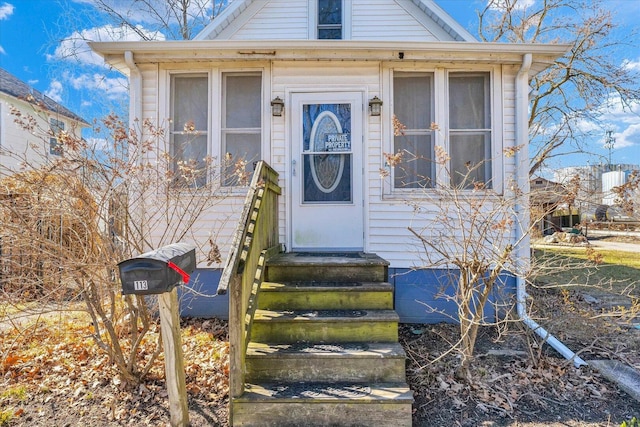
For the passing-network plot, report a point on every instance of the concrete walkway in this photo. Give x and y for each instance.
(616, 246)
(603, 244)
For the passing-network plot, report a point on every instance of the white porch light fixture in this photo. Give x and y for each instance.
(277, 107)
(375, 106)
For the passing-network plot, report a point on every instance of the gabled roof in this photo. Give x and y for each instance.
(237, 11)
(13, 86)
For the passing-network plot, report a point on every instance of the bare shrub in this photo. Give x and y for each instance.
(66, 221)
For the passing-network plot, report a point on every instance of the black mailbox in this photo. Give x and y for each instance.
(158, 271)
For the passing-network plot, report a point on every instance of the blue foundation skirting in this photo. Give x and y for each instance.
(421, 296)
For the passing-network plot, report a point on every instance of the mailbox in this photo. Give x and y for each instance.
(158, 271)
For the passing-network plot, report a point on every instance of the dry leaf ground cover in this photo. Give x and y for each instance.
(51, 373)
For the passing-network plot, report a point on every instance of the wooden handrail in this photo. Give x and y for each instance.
(255, 239)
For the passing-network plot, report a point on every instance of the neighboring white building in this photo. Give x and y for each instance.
(329, 69)
(596, 182)
(19, 146)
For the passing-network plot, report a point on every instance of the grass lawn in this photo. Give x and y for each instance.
(616, 271)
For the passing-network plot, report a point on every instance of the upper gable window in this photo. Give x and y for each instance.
(330, 19)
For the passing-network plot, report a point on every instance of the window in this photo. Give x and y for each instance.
(55, 147)
(241, 125)
(457, 102)
(414, 112)
(189, 128)
(470, 129)
(330, 19)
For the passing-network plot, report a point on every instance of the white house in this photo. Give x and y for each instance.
(331, 64)
(19, 146)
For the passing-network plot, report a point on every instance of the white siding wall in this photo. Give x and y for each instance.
(368, 20)
(386, 218)
(386, 20)
(219, 221)
(18, 146)
(277, 20)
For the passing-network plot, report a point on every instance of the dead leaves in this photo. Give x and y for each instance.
(62, 370)
(502, 384)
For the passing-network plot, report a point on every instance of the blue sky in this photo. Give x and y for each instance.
(30, 48)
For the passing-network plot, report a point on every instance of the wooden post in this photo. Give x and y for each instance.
(173, 360)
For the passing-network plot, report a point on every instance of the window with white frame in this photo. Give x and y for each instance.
(189, 128)
(413, 104)
(55, 147)
(470, 129)
(330, 19)
(241, 127)
(420, 107)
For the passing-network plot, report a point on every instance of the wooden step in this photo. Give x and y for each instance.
(324, 295)
(341, 267)
(311, 404)
(320, 326)
(353, 362)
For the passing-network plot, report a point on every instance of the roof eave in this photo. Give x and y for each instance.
(211, 50)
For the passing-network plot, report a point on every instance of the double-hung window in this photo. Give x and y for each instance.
(330, 19)
(451, 110)
(241, 136)
(55, 147)
(413, 105)
(470, 129)
(189, 128)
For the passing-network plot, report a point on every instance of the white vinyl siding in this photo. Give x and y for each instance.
(386, 20)
(20, 147)
(275, 20)
(386, 216)
(361, 20)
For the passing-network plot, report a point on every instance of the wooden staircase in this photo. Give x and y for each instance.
(323, 346)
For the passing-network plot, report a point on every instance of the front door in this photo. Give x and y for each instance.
(326, 171)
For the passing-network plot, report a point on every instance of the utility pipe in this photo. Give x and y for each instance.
(522, 216)
(135, 94)
(135, 120)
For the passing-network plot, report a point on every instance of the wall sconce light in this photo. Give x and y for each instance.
(375, 106)
(277, 107)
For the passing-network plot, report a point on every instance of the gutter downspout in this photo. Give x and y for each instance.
(135, 120)
(135, 91)
(522, 217)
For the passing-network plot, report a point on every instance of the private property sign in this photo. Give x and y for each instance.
(338, 142)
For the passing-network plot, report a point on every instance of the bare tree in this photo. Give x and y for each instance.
(175, 19)
(578, 85)
(68, 221)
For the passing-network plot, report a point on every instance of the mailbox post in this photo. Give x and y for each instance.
(159, 272)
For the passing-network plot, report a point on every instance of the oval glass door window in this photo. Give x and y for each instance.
(327, 153)
(326, 169)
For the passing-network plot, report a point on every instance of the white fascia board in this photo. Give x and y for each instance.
(238, 50)
(435, 12)
(228, 15)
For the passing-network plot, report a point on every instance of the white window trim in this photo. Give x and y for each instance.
(214, 142)
(441, 115)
